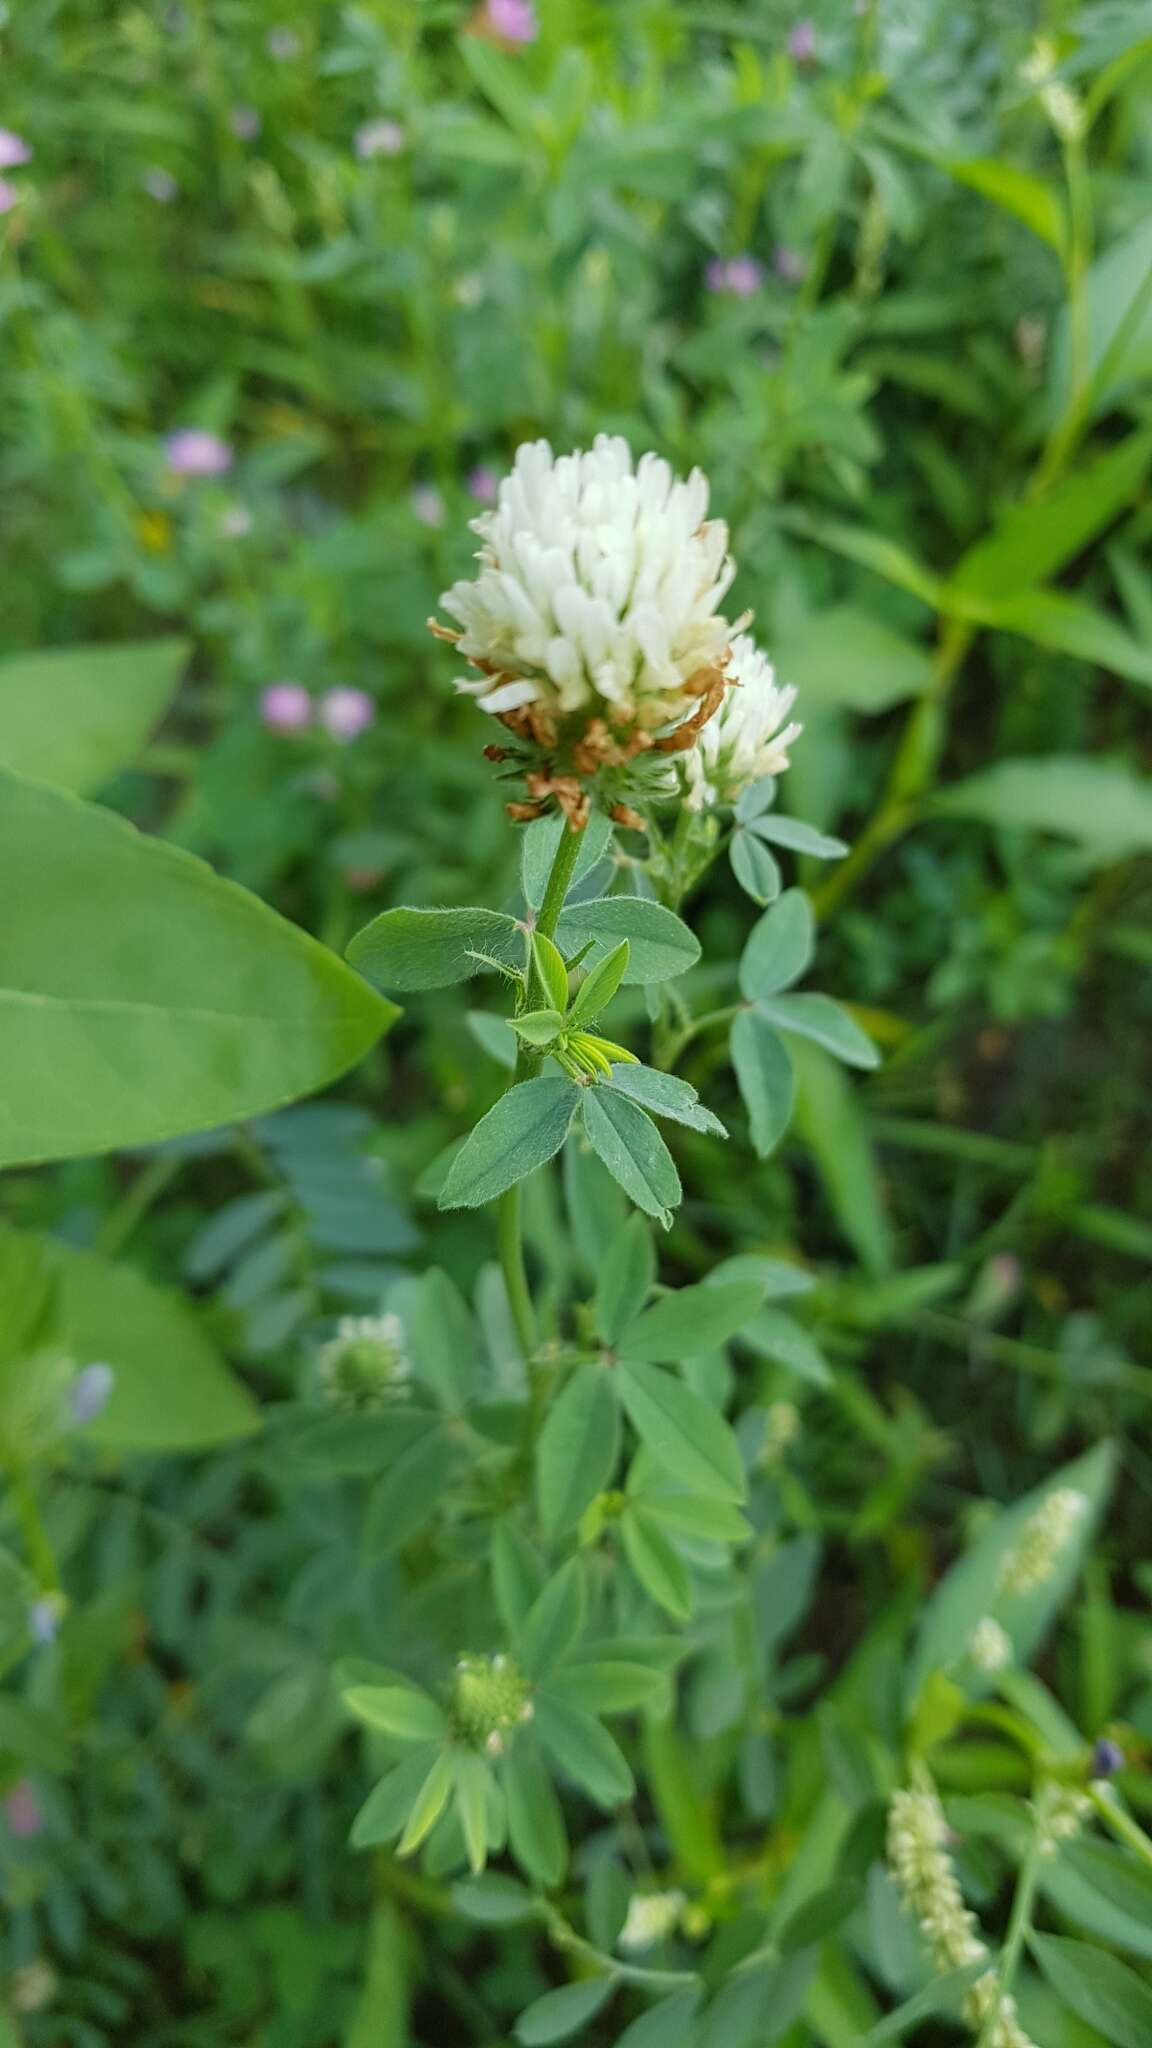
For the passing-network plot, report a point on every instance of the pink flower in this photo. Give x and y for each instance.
(10, 195)
(802, 42)
(789, 264)
(283, 44)
(513, 21)
(428, 505)
(741, 276)
(483, 483)
(193, 451)
(13, 150)
(245, 123)
(345, 714)
(160, 185)
(286, 707)
(380, 138)
(22, 1810)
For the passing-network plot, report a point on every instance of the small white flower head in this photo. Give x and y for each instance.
(364, 1369)
(748, 738)
(487, 1701)
(1061, 1811)
(594, 617)
(782, 1426)
(989, 1645)
(1042, 1541)
(651, 1917)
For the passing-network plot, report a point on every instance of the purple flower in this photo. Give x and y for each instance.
(428, 505)
(286, 707)
(89, 1393)
(245, 123)
(380, 138)
(10, 195)
(345, 714)
(483, 483)
(13, 150)
(22, 1811)
(1107, 1758)
(283, 44)
(802, 42)
(742, 276)
(790, 266)
(160, 185)
(513, 21)
(193, 451)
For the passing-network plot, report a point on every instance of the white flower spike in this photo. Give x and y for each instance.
(748, 737)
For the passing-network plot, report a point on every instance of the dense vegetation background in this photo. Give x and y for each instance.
(884, 274)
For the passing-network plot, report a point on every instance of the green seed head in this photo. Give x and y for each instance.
(488, 1699)
(364, 1369)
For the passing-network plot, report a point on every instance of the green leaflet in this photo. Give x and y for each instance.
(522, 1131)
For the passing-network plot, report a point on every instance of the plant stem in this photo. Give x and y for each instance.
(509, 1212)
(1018, 1926)
(1120, 1821)
(147, 1187)
(37, 1543)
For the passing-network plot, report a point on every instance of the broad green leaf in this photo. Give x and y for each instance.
(522, 1131)
(670, 2024)
(798, 837)
(428, 1804)
(583, 1749)
(617, 1688)
(873, 551)
(172, 1391)
(754, 867)
(624, 1137)
(692, 1514)
(494, 1900)
(943, 1994)
(600, 985)
(381, 2017)
(1035, 538)
(1068, 625)
(471, 1776)
(1103, 1889)
(535, 1819)
(828, 1119)
(1018, 192)
(400, 1710)
(387, 1807)
(142, 996)
(684, 1432)
(691, 1321)
(538, 1027)
(971, 1589)
(775, 1335)
(1098, 1987)
(1118, 298)
(657, 1564)
(517, 1575)
(538, 851)
(626, 1279)
(578, 1448)
(75, 716)
(555, 1622)
(1104, 805)
(420, 949)
(558, 2014)
(443, 1336)
(779, 947)
(665, 1095)
(825, 1022)
(846, 657)
(660, 944)
(767, 1082)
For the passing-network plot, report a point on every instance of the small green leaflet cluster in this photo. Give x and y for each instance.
(757, 828)
(559, 1028)
(778, 951)
(474, 1759)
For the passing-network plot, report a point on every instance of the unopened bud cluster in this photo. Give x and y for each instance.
(1042, 1541)
(364, 1369)
(990, 1645)
(652, 1917)
(922, 1869)
(489, 1699)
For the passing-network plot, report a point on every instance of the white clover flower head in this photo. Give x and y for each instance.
(990, 1645)
(1061, 1811)
(651, 1917)
(747, 738)
(594, 619)
(363, 1369)
(1042, 1541)
(487, 1701)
